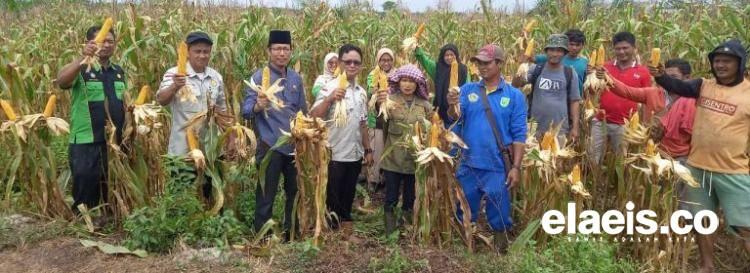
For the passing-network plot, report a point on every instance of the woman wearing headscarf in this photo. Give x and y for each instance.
(440, 72)
(330, 62)
(384, 60)
(410, 104)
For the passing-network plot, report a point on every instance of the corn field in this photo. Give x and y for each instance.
(37, 42)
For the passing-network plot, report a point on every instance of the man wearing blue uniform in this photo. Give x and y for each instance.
(494, 108)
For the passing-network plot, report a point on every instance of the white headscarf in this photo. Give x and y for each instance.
(328, 57)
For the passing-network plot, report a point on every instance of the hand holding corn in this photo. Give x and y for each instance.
(656, 71)
(453, 95)
(337, 95)
(600, 73)
(262, 102)
(178, 81)
(89, 50)
(382, 96)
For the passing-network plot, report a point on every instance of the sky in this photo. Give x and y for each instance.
(413, 5)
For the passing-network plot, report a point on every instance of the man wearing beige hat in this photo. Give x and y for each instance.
(490, 167)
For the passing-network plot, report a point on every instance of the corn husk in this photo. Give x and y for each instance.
(340, 115)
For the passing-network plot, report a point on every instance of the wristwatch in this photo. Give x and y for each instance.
(368, 151)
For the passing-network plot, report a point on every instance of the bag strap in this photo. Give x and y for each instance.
(505, 154)
(533, 80)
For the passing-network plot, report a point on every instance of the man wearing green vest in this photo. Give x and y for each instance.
(96, 97)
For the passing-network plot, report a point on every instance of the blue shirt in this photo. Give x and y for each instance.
(269, 128)
(508, 104)
(578, 64)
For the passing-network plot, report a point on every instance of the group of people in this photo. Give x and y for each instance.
(704, 123)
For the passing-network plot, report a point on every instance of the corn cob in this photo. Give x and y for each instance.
(419, 32)
(337, 72)
(103, 31)
(635, 121)
(266, 81)
(576, 174)
(382, 80)
(143, 95)
(593, 58)
(339, 112)
(529, 26)
(376, 74)
(650, 148)
(192, 139)
(655, 56)
(529, 48)
(8, 109)
(49, 110)
(547, 141)
(435, 130)
(454, 74)
(343, 82)
(182, 52)
(601, 55)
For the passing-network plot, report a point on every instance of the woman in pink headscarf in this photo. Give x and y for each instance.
(410, 104)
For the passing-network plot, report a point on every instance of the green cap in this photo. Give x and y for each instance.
(557, 41)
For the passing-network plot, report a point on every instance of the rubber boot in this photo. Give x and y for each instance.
(390, 222)
(501, 241)
(407, 218)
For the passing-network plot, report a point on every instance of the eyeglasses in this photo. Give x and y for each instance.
(352, 62)
(281, 49)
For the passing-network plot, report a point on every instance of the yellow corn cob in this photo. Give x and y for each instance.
(191, 139)
(546, 141)
(8, 109)
(529, 26)
(419, 32)
(103, 31)
(343, 82)
(576, 174)
(435, 130)
(454, 74)
(655, 56)
(382, 80)
(593, 58)
(337, 71)
(143, 95)
(266, 81)
(635, 121)
(601, 55)
(650, 148)
(376, 74)
(50, 108)
(529, 48)
(182, 52)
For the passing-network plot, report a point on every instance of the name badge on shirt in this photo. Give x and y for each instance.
(473, 97)
(504, 102)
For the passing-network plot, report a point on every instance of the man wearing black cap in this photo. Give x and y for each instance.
(270, 122)
(204, 82)
(93, 91)
(720, 143)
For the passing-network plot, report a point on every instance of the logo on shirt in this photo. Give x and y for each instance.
(473, 97)
(549, 84)
(717, 106)
(504, 102)
(214, 83)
